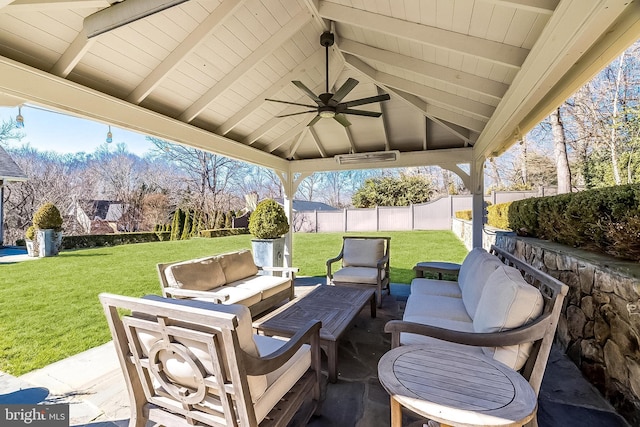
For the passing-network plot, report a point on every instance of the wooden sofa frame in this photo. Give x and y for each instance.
(383, 265)
(255, 309)
(541, 331)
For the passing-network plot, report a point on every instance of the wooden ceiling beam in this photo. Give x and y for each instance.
(544, 7)
(274, 42)
(9, 6)
(497, 53)
(74, 53)
(215, 19)
(481, 85)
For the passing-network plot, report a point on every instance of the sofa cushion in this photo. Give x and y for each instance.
(237, 265)
(468, 265)
(268, 285)
(199, 274)
(483, 267)
(444, 288)
(180, 371)
(280, 381)
(358, 275)
(235, 295)
(436, 308)
(507, 302)
(362, 252)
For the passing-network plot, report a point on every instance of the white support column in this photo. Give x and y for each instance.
(477, 207)
(290, 183)
(1, 213)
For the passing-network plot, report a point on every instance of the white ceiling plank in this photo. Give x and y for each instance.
(9, 6)
(247, 64)
(226, 9)
(499, 53)
(424, 135)
(352, 144)
(545, 7)
(72, 55)
(459, 78)
(227, 126)
(285, 137)
(316, 140)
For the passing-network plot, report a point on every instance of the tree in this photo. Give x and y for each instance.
(393, 191)
(560, 152)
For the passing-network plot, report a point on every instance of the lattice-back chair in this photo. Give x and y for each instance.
(190, 362)
(365, 261)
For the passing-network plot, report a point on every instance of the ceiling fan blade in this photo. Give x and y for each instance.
(290, 103)
(369, 100)
(362, 113)
(340, 118)
(296, 114)
(308, 91)
(343, 91)
(315, 120)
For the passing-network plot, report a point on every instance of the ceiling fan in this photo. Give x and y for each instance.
(329, 104)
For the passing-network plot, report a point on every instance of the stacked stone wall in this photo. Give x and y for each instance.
(600, 325)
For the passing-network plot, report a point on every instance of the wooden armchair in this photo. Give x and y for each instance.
(189, 362)
(365, 260)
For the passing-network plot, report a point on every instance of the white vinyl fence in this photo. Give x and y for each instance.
(434, 215)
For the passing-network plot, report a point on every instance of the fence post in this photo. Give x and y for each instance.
(413, 219)
(316, 220)
(377, 218)
(345, 220)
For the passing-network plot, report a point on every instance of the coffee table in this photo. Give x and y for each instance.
(335, 306)
(455, 388)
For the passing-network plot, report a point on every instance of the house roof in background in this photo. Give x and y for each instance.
(9, 170)
(306, 205)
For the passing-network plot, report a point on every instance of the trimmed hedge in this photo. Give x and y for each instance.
(604, 219)
(465, 215)
(222, 232)
(497, 216)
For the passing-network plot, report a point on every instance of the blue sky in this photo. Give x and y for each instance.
(50, 131)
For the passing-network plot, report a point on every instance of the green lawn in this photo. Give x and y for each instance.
(49, 307)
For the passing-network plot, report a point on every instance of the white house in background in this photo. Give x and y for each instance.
(97, 216)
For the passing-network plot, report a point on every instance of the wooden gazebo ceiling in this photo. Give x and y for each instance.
(466, 78)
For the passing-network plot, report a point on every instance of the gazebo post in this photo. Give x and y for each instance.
(290, 183)
(1, 213)
(477, 206)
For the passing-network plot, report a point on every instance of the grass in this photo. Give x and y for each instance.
(49, 307)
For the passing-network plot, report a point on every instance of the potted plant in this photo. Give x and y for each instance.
(29, 237)
(48, 224)
(268, 223)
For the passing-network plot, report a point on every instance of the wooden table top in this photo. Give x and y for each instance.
(334, 306)
(456, 388)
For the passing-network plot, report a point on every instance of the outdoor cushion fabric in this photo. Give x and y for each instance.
(507, 302)
(268, 285)
(436, 308)
(475, 283)
(468, 264)
(362, 252)
(237, 265)
(358, 275)
(200, 274)
(443, 288)
(280, 381)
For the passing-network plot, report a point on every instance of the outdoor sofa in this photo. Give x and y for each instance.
(491, 309)
(230, 278)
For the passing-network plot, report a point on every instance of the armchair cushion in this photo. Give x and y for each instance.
(507, 302)
(362, 252)
(282, 379)
(199, 275)
(485, 265)
(238, 265)
(358, 275)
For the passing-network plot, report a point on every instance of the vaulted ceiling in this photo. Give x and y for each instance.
(466, 78)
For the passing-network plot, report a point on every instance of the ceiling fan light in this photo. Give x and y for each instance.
(327, 114)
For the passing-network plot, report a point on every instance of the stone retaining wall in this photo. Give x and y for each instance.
(600, 325)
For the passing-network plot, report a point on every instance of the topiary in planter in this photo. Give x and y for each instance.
(30, 234)
(47, 217)
(268, 221)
